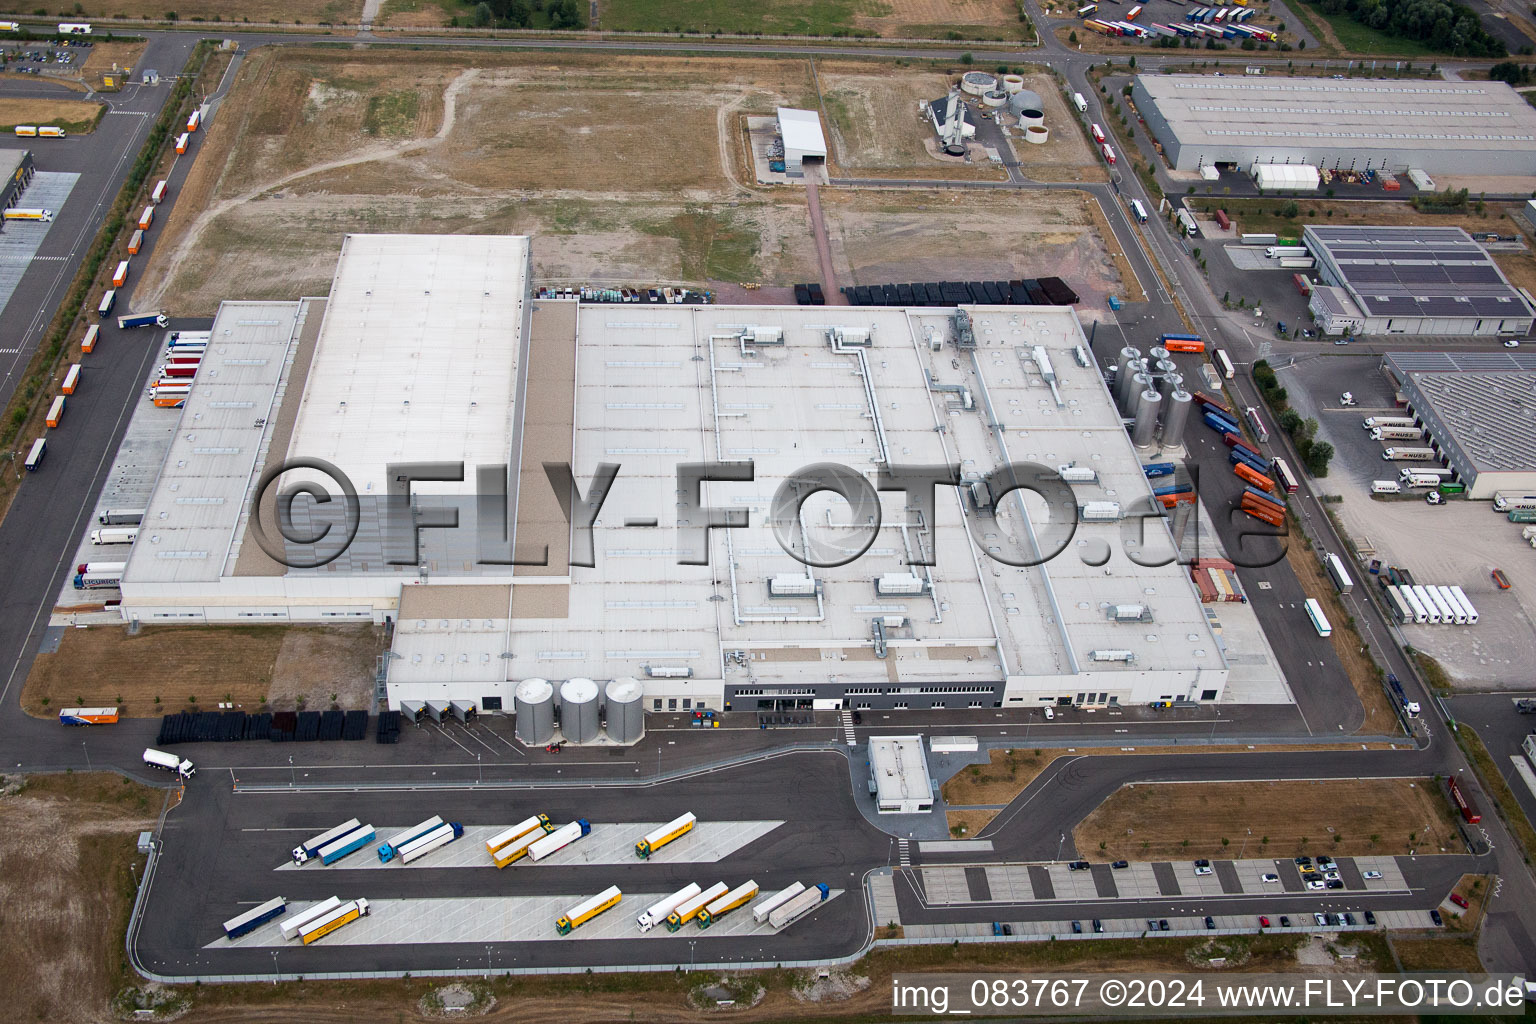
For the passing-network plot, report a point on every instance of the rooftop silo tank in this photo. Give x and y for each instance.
(578, 710)
(1127, 355)
(1148, 404)
(1125, 384)
(534, 701)
(1167, 384)
(1157, 352)
(623, 698)
(1142, 381)
(1175, 417)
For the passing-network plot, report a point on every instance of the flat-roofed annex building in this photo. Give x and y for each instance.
(466, 368)
(1411, 280)
(1479, 409)
(1440, 127)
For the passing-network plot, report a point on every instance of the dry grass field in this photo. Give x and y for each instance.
(1360, 817)
(67, 843)
(76, 116)
(103, 667)
(624, 170)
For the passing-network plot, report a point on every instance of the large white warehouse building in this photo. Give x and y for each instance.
(429, 349)
(1440, 127)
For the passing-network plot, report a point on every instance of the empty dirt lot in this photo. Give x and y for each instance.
(623, 170)
(74, 115)
(106, 666)
(67, 843)
(1349, 818)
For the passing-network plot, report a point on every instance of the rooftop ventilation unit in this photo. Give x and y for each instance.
(862, 336)
(1099, 511)
(667, 671)
(1130, 613)
(1113, 655)
(792, 585)
(900, 584)
(1078, 474)
(761, 335)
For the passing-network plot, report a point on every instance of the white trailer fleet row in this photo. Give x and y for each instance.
(1435, 605)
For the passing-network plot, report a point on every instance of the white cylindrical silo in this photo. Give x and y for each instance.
(1037, 134)
(1148, 405)
(975, 83)
(1012, 84)
(1175, 417)
(578, 710)
(534, 701)
(624, 700)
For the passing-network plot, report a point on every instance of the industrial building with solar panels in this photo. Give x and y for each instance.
(1428, 125)
(1411, 280)
(940, 605)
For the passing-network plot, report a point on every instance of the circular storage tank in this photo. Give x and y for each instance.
(1023, 100)
(1175, 417)
(534, 701)
(626, 713)
(994, 99)
(578, 710)
(1148, 405)
(1157, 352)
(1038, 134)
(954, 149)
(1012, 84)
(977, 82)
(1031, 116)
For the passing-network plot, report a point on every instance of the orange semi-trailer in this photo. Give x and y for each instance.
(1254, 477)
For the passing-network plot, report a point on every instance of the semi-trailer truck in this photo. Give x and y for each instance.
(289, 929)
(658, 911)
(97, 581)
(517, 849)
(125, 323)
(1339, 573)
(1396, 454)
(689, 909)
(121, 517)
(746, 892)
(586, 910)
(323, 925)
(767, 906)
(794, 909)
(539, 822)
(559, 839)
(1374, 422)
(1251, 476)
(88, 716)
(438, 838)
(349, 843)
(169, 763)
(32, 213)
(387, 850)
(254, 918)
(659, 837)
(305, 851)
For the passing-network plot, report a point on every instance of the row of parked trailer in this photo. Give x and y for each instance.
(308, 925)
(1265, 480)
(1433, 604)
(1189, 29)
(183, 356)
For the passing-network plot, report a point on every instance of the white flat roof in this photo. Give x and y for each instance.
(900, 770)
(417, 358)
(801, 130)
(189, 529)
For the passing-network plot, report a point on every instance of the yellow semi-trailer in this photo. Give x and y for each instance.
(586, 910)
(689, 909)
(289, 929)
(342, 916)
(746, 892)
(26, 131)
(657, 838)
(518, 848)
(50, 131)
(522, 828)
(29, 213)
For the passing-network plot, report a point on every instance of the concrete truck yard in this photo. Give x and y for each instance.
(764, 573)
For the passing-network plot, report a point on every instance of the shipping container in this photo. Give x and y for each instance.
(181, 143)
(1080, 103)
(146, 218)
(35, 456)
(322, 926)
(194, 121)
(158, 195)
(120, 275)
(136, 242)
(1223, 220)
(56, 412)
(1250, 476)
(1339, 573)
(1468, 810)
(108, 300)
(88, 343)
(71, 379)
(88, 716)
(1258, 239)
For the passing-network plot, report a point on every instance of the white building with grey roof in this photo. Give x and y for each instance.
(430, 350)
(1479, 409)
(1411, 280)
(1440, 127)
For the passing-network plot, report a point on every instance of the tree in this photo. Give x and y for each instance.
(482, 15)
(1072, 37)
(1289, 421)
(567, 14)
(1318, 455)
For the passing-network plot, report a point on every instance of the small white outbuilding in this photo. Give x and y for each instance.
(803, 139)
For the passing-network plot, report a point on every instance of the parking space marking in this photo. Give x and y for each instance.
(709, 841)
(20, 239)
(396, 922)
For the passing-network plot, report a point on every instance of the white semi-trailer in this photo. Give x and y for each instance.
(658, 911)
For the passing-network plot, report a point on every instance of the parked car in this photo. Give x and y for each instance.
(1007, 929)
(1319, 919)
(1334, 920)
(1162, 924)
(1434, 915)
(1285, 922)
(1202, 867)
(1304, 862)
(1371, 874)
(1330, 876)
(1210, 923)
(1077, 927)
(1271, 878)
(1511, 343)
(1079, 865)
(1311, 876)
(1370, 917)
(1151, 924)
(553, 748)
(1263, 922)
(997, 927)
(1334, 883)
(1346, 399)
(1314, 886)
(1325, 862)
(1098, 926)
(1050, 714)
(1349, 918)
(1460, 900)
(1117, 865)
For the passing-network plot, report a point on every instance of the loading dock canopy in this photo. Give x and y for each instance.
(436, 709)
(463, 710)
(411, 710)
(1291, 177)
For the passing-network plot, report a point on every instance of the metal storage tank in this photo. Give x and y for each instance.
(578, 710)
(1157, 352)
(1168, 383)
(534, 701)
(994, 99)
(1148, 404)
(626, 714)
(1031, 117)
(1130, 365)
(1175, 417)
(1013, 84)
(977, 82)
(1142, 381)
(1022, 99)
